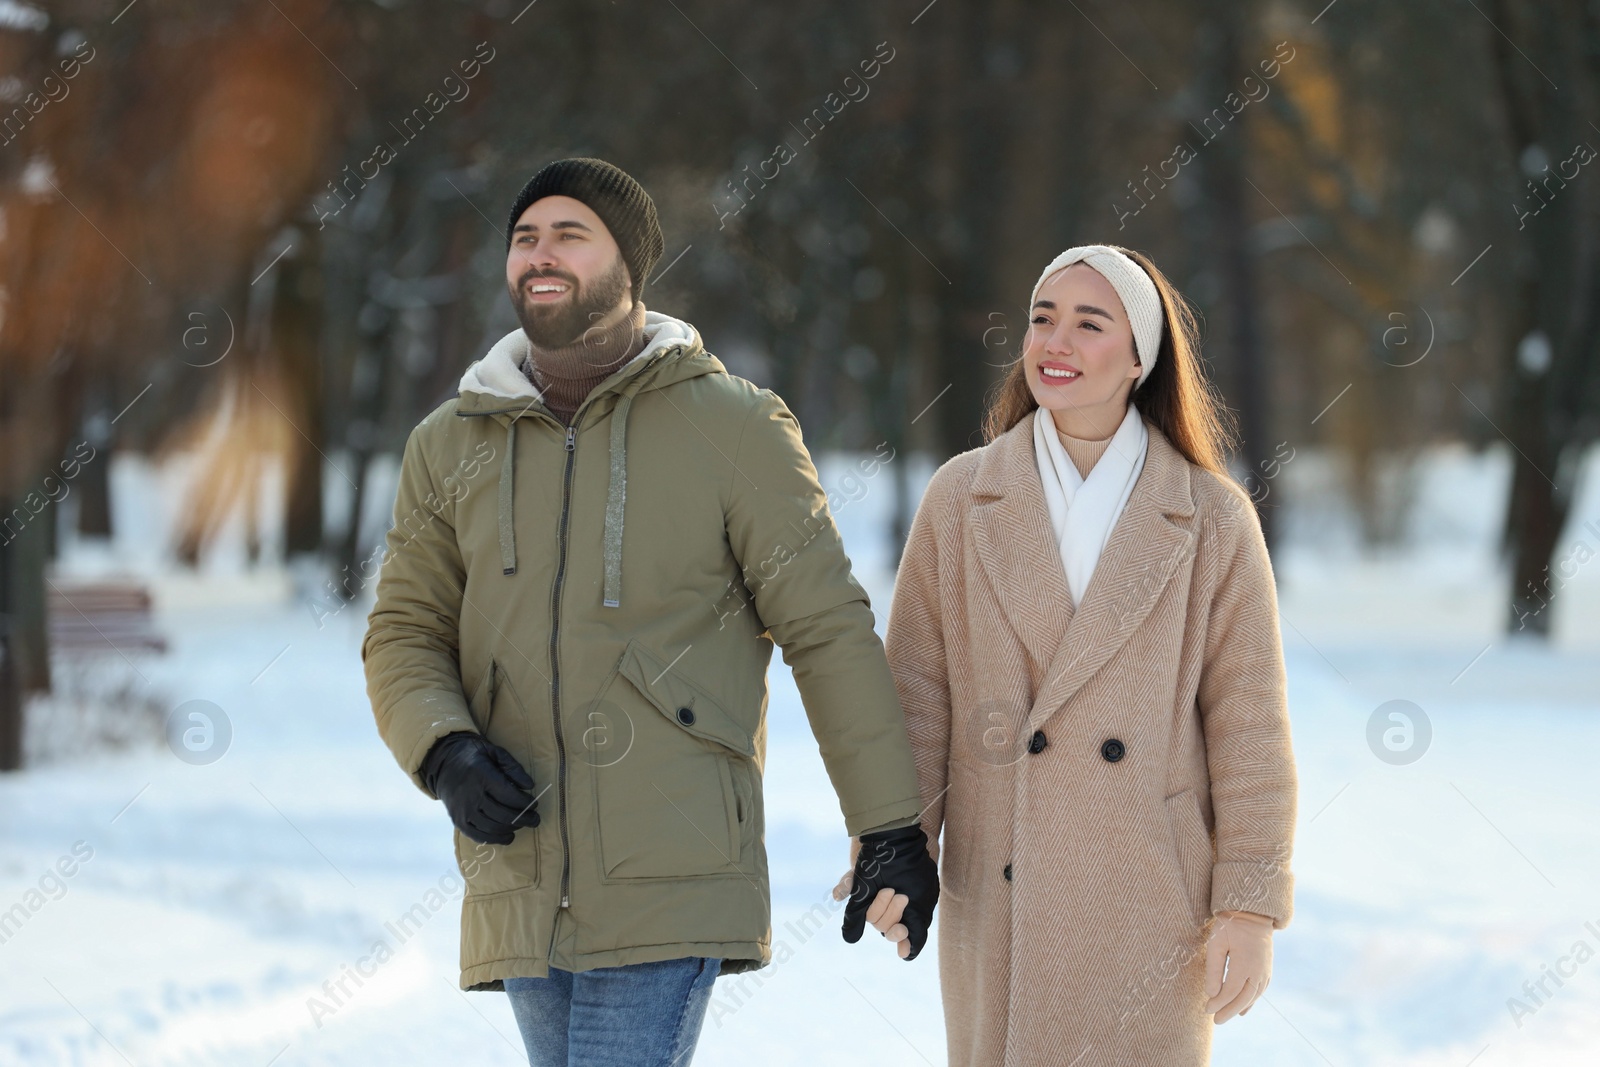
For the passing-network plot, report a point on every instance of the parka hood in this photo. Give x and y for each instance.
(496, 386)
(496, 380)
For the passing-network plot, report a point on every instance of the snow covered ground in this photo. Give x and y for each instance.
(207, 904)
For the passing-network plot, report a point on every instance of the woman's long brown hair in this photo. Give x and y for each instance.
(1176, 398)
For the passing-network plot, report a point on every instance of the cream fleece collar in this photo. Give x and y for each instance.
(499, 372)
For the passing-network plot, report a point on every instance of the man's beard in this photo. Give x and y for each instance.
(564, 323)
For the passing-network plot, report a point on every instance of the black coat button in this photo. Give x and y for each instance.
(1007, 872)
(686, 716)
(1113, 750)
(1037, 742)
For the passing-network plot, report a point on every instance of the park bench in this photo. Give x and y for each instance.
(102, 616)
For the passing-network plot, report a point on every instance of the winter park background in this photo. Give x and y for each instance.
(245, 246)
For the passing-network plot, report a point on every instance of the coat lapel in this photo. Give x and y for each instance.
(1016, 546)
(1017, 551)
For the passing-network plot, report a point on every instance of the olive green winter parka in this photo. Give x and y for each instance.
(602, 600)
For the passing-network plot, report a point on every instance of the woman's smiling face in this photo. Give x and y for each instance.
(1079, 357)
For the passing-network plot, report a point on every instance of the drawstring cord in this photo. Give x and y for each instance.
(508, 532)
(615, 495)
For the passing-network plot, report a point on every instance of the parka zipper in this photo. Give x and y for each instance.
(555, 666)
(555, 621)
(555, 633)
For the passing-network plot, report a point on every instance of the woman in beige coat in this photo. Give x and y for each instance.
(1100, 728)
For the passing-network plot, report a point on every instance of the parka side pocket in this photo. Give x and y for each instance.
(481, 704)
(746, 798)
(490, 869)
(1194, 849)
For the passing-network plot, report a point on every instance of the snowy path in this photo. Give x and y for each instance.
(218, 899)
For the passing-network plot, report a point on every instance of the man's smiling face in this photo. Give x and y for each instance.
(565, 273)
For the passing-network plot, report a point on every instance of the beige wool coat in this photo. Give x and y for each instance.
(1107, 779)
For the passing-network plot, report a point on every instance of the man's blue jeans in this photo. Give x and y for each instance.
(638, 1015)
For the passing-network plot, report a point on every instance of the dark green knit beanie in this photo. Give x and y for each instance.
(609, 192)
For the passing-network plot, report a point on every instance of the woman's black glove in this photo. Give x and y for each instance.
(894, 859)
(483, 787)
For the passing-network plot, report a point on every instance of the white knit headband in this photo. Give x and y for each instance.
(1138, 293)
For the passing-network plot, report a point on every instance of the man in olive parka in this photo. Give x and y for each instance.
(595, 546)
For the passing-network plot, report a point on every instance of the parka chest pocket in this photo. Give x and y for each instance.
(676, 801)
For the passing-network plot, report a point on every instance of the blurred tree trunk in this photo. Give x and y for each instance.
(360, 440)
(452, 338)
(1222, 174)
(1551, 328)
(11, 698)
(296, 340)
(93, 483)
(971, 137)
(26, 557)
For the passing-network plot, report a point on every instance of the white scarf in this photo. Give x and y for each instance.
(1084, 510)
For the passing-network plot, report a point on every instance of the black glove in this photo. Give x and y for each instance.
(483, 787)
(894, 859)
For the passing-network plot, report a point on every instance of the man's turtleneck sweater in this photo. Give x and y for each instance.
(566, 375)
